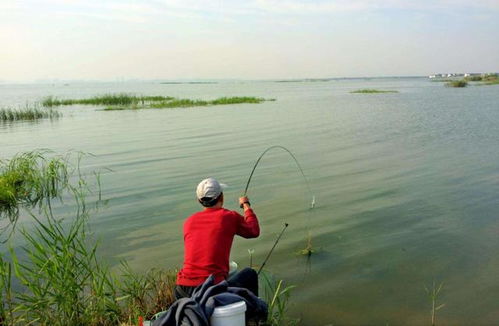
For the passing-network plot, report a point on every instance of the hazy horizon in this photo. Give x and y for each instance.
(244, 40)
(202, 80)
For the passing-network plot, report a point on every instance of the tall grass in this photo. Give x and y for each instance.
(146, 294)
(27, 113)
(61, 280)
(277, 295)
(6, 295)
(64, 283)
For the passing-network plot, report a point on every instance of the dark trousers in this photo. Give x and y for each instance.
(246, 278)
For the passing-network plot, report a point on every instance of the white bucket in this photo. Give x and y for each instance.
(232, 268)
(229, 315)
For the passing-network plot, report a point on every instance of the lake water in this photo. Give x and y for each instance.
(406, 186)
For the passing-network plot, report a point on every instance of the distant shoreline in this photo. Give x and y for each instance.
(192, 81)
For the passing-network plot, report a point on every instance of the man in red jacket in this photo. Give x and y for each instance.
(208, 237)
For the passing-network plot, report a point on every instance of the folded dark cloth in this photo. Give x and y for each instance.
(197, 310)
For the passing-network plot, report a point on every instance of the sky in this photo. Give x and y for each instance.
(245, 39)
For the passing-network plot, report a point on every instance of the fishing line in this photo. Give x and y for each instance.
(312, 204)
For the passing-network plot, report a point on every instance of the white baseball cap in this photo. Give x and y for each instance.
(209, 188)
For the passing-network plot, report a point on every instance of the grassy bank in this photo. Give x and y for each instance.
(28, 113)
(372, 91)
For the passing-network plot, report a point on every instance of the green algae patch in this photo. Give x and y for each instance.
(372, 91)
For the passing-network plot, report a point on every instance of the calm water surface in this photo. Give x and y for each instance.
(406, 186)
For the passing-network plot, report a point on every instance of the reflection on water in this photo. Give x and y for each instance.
(406, 186)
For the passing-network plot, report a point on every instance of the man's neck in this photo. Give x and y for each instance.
(217, 206)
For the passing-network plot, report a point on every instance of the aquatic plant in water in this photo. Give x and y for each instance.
(433, 294)
(29, 180)
(309, 249)
(30, 113)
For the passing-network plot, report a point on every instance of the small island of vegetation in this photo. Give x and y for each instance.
(115, 102)
(372, 91)
(456, 83)
(107, 99)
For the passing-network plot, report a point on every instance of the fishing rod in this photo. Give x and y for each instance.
(312, 204)
(271, 250)
(297, 164)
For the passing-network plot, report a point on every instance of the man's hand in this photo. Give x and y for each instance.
(244, 202)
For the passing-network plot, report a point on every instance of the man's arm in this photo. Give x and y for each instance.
(248, 225)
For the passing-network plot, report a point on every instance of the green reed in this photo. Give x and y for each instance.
(6, 295)
(28, 113)
(433, 294)
(63, 284)
(277, 295)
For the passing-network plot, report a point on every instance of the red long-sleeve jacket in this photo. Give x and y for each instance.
(208, 237)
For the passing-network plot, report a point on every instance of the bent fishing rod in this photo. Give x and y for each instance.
(304, 178)
(297, 164)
